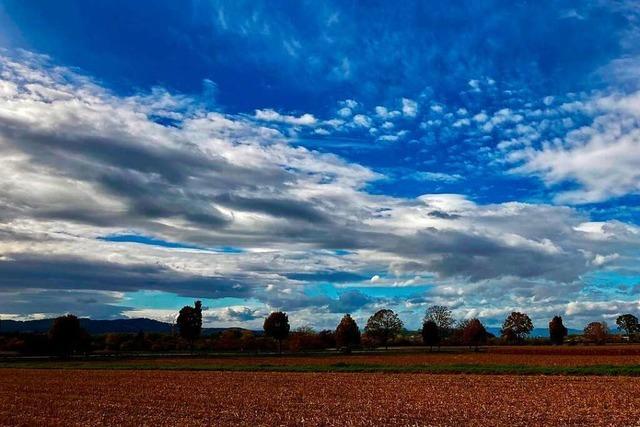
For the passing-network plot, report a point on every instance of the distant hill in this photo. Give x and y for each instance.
(99, 326)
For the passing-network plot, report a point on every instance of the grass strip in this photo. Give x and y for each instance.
(477, 369)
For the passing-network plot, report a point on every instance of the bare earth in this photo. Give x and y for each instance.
(162, 398)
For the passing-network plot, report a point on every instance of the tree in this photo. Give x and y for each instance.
(229, 340)
(442, 317)
(277, 327)
(303, 339)
(66, 336)
(247, 341)
(430, 333)
(557, 330)
(628, 323)
(383, 325)
(474, 334)
(347, 334)
(190, 322)
(328, 338)
(596, 332)
(516, 326)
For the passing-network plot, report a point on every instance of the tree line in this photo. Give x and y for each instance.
(382, 329)
(438, 327)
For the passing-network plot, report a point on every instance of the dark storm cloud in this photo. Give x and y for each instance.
(24, 302)
(285, 208)
(75, 273)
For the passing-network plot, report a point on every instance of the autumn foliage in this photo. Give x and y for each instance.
(347, 333)
(596, 332)
(474, 334)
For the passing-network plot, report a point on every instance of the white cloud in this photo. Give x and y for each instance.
(480, 117)
(437, 176)
(270, 115)
(362, 120)
(344, 112)
(382, 112)
(461, 122)
(409, 107)
(600, 260)
(602, 159)
(475, 85)
(350, 103)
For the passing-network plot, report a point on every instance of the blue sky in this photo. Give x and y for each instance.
(319, 158)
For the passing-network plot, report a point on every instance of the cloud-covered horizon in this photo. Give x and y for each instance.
(127, 204)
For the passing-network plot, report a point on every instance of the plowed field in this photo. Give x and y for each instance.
(162, 398)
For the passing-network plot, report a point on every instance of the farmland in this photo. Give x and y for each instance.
(525, 356)
(398, 387)
(579, 360)
(82, 397)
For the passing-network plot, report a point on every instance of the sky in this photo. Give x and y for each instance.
(320, 158)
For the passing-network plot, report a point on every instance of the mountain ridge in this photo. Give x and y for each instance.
(95, 326)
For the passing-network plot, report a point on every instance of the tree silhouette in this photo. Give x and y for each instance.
(557, 331)
(277, 327)
(383, 325)
(248, 341)
(441, 315)
(190, 322)
(430, 334)
(516, 326)
(596, 332)
(66, 336)
(628, 323)
(347, 334)
(474, 334)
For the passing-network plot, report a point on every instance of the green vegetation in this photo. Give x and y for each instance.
(479, 369)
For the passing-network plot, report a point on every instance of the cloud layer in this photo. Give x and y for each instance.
(80, 163)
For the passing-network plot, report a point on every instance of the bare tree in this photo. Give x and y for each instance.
(441, 315)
